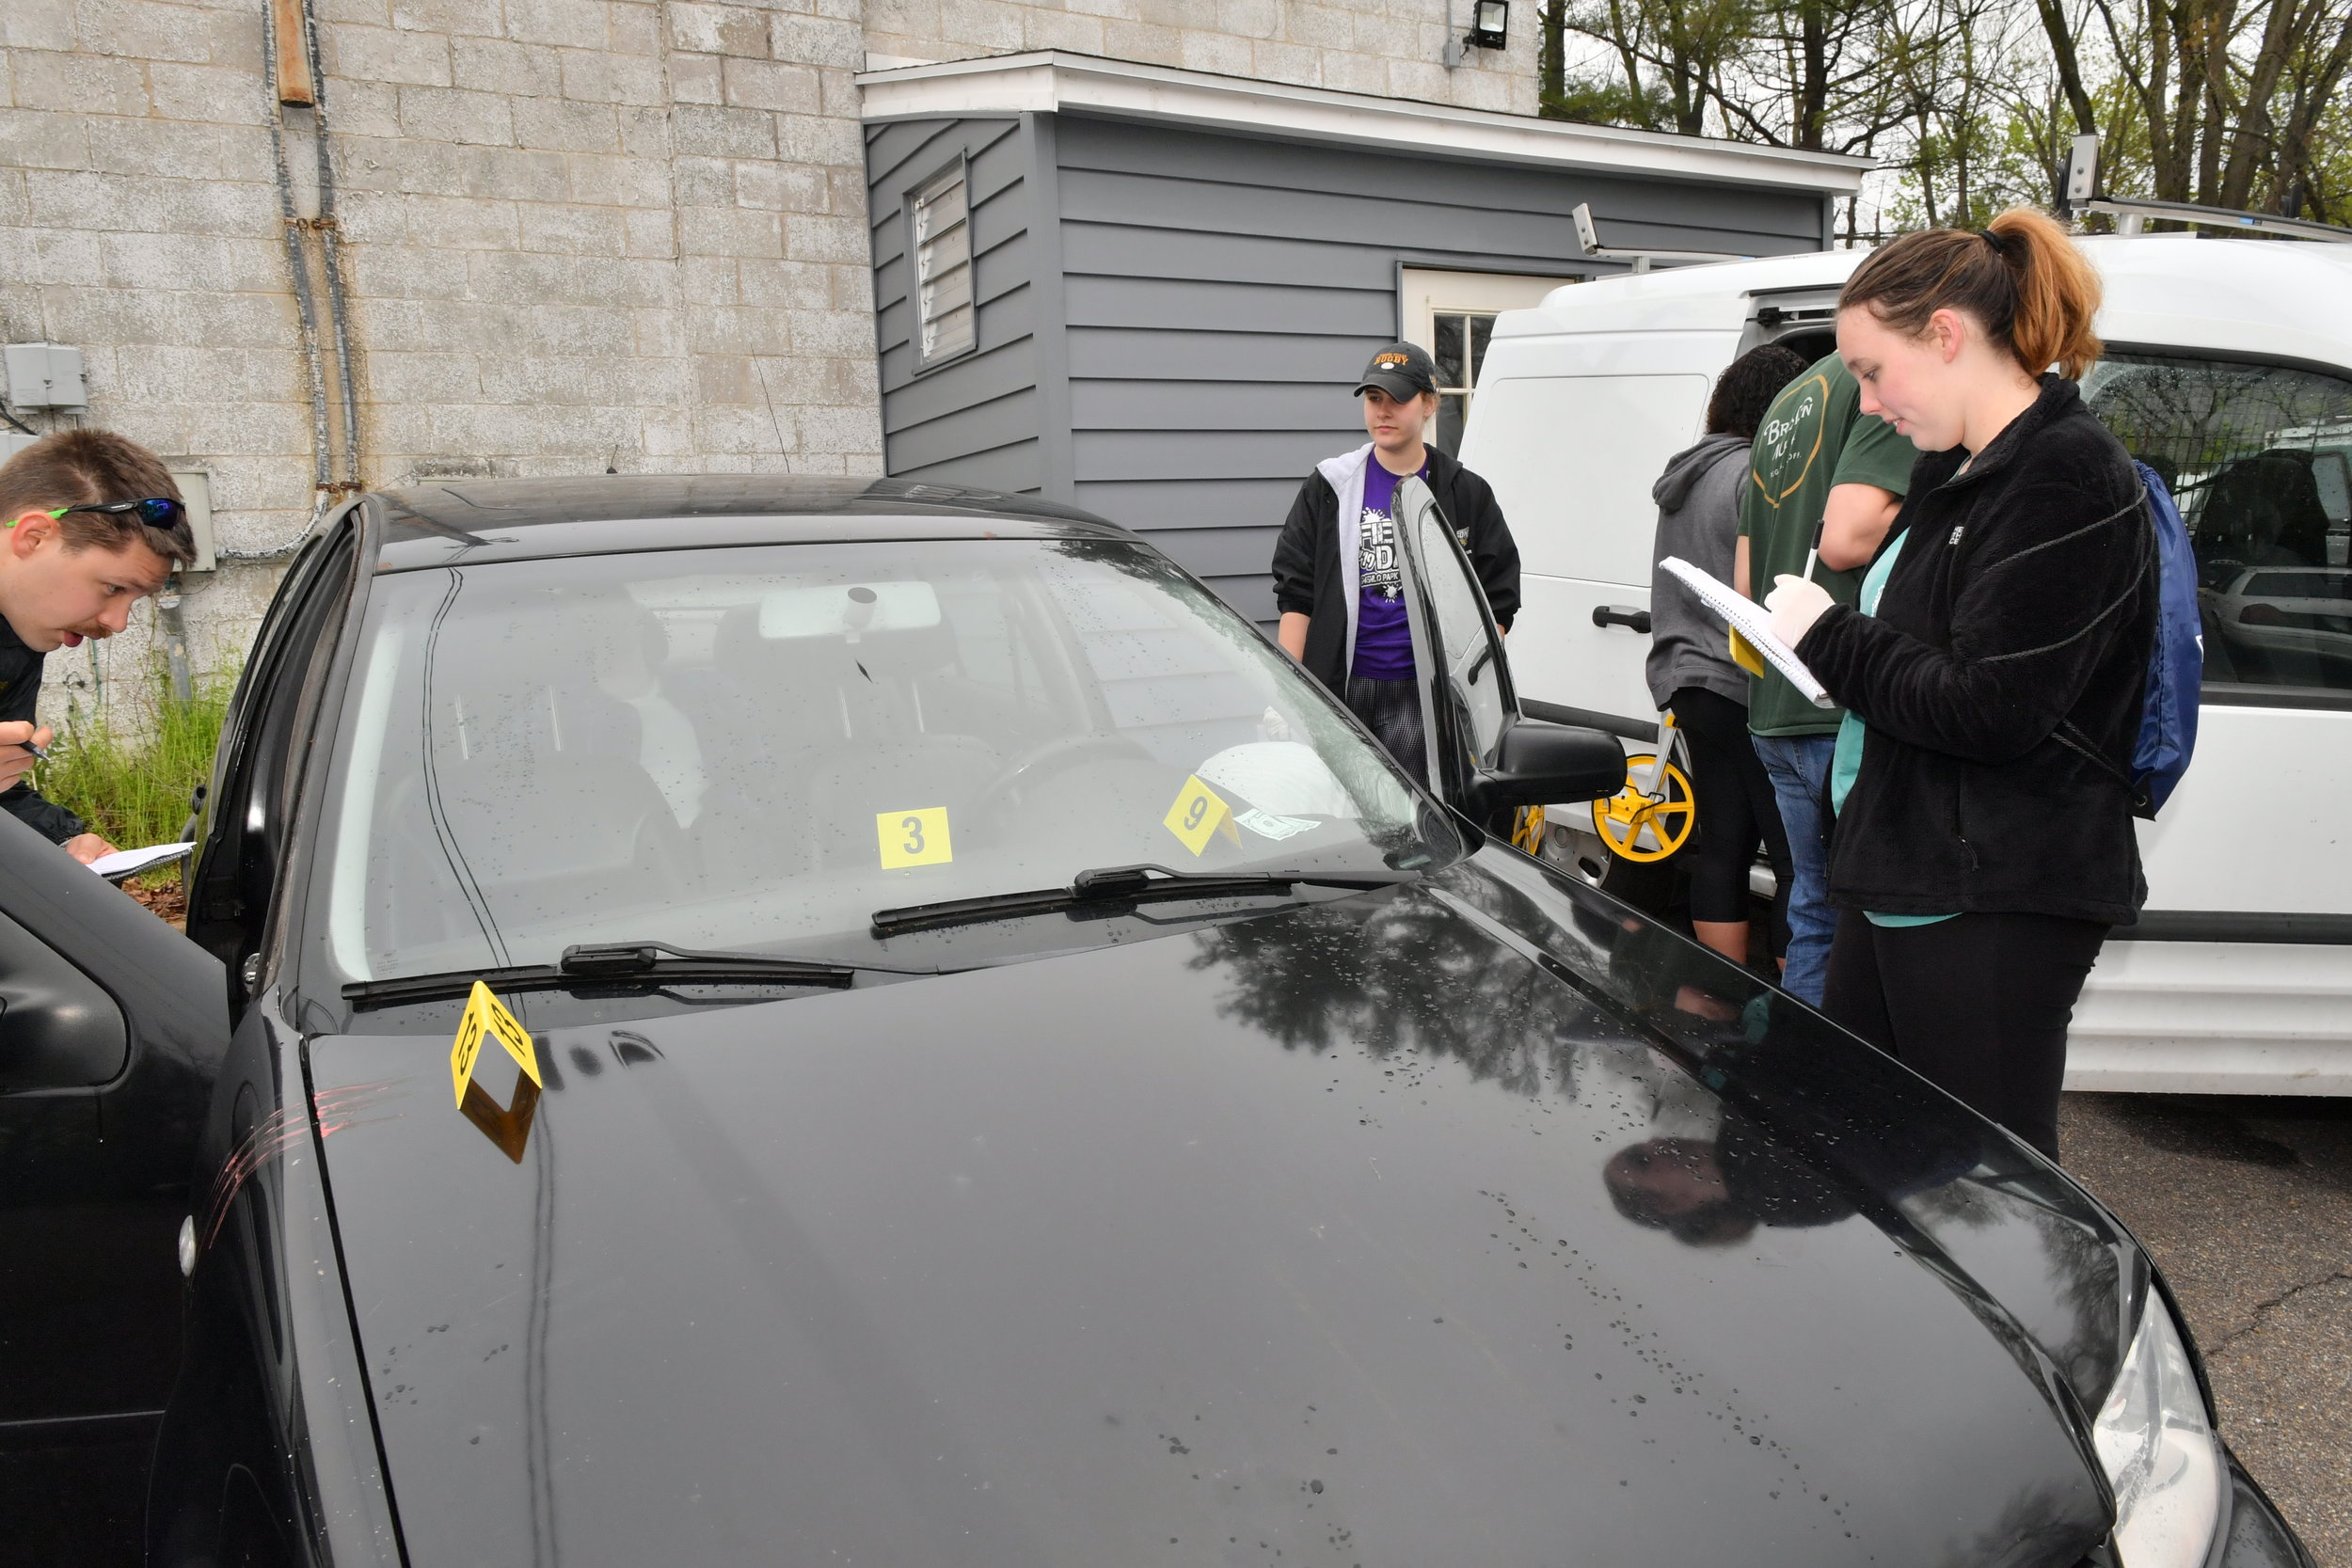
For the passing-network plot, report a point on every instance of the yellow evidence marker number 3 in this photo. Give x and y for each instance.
(486, 1015)
(913, 837)
(1197, 816)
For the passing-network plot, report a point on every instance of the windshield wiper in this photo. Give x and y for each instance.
(1113, 885)
(652, 964)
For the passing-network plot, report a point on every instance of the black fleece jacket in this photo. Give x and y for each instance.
(2002, 681)
(19, 698)
(1306, 576)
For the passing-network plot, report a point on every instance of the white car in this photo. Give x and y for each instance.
(2229, 370)
(2277, 622)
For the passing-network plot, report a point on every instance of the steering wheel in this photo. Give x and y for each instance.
(1039, 762)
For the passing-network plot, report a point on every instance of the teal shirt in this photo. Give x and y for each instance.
(1846, 763)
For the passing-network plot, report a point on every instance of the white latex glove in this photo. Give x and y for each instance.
(1795, 604)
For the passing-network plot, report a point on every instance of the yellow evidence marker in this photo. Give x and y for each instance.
(1199, 814)
(486, 1015)
(913, 837)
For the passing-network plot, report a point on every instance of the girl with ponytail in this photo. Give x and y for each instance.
(1992, 672)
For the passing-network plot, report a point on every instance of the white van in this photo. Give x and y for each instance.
(2229, 370)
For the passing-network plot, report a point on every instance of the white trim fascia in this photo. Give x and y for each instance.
(1053, 82)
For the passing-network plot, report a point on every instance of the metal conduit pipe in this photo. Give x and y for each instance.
(330, 251)
(322, 440)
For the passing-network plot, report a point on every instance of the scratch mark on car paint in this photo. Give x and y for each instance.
(274, 1135)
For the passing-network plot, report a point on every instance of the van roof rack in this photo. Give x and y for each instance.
(1590, 239)
(2132, 218)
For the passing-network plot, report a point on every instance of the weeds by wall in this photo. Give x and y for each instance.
(129, 765)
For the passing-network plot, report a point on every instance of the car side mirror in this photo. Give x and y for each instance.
(57, 1028)
(1540, 764)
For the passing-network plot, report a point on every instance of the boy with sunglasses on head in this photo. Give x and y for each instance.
(90, 524)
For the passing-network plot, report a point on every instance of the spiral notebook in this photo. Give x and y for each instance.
(1752, 620)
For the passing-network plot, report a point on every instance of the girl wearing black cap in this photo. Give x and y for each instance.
(1992, 671)
(1336, 575)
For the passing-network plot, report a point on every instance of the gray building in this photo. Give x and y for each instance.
(1147, 292)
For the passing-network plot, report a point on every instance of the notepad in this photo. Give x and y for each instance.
(130, 862)
(1752, 620)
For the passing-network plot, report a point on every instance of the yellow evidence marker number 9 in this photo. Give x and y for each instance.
(486, 1015)
(1198, 814)
(913, 837)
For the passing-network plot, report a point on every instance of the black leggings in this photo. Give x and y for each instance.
(1977, 1004)
(1736, 808)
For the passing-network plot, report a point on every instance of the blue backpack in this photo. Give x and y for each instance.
(2176, 660)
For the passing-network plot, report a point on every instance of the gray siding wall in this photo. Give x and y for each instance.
(1223, 293)
(1171, 320)
(973, 421)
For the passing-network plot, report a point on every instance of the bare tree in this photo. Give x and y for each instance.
(2229, 94)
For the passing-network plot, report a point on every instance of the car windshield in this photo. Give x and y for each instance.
(757, 748)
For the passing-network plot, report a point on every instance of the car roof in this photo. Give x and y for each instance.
(2272, 298)
(440, 522)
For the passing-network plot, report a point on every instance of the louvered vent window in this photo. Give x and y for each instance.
(943, 271)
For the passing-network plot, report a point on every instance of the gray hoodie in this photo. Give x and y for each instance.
(1698, 519)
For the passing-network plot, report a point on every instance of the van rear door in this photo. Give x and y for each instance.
(1572, 430)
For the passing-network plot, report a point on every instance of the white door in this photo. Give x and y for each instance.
(2250, 863)
(1451, 314)
(1572, 430)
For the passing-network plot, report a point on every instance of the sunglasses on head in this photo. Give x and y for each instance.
(155, 512)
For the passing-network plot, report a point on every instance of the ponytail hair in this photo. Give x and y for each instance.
(2023, 279)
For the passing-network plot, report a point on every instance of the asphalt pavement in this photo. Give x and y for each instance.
(2246, 1204)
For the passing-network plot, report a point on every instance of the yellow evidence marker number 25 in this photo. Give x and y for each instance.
(913, 837)
(486, 1015)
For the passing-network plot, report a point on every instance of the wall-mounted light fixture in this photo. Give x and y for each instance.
(1491, 23)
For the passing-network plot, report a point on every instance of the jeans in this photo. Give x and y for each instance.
(1797, 766)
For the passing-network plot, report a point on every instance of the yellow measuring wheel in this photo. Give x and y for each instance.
(1527, 829)
(1652, 816)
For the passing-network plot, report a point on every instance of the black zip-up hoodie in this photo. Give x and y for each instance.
(2002, 679)
(1310, 578)
(19, 698)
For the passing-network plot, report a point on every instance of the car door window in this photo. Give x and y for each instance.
(1467, 650)
(266, 752)
(2257, 457)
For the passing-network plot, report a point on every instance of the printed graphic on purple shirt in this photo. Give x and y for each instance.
(1384, 643)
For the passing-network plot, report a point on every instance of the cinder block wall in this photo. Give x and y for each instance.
(578, 234)
(1392, 48)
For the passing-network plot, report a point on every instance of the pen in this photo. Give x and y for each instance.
(1814, 553)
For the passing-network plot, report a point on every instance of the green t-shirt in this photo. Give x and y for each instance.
(1813, 438)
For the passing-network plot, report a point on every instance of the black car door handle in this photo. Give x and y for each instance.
(1621, 615)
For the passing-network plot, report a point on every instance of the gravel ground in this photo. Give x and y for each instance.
(2246, 1204)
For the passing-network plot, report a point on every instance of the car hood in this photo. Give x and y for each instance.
(1285, 1242)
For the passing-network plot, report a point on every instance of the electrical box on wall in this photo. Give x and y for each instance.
(14, 442)
(44, 375)
(196, 494)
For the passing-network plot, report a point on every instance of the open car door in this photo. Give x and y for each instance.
(112, 1025)
(1484, 756)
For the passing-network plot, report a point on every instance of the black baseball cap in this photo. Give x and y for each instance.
(1401, 370)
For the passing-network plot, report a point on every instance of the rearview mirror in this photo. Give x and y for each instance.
(1537, 764)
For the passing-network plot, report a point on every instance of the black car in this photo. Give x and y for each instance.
(874, 1024)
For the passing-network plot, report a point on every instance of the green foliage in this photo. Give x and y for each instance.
(1599, 100)
(128, 775)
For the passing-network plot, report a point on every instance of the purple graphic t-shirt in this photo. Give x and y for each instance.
(1384, 643)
